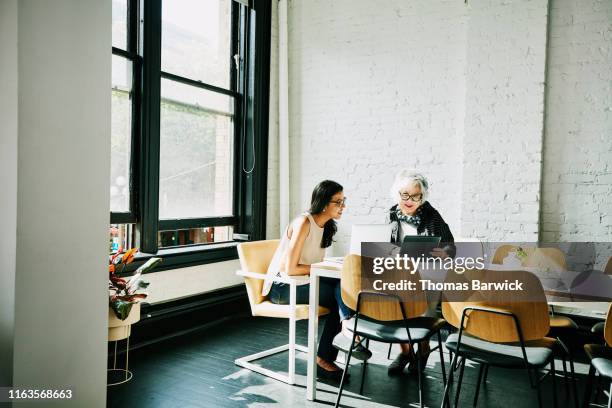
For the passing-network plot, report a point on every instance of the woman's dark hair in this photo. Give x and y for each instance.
(321, 196)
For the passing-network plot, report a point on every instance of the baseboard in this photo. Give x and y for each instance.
(163, 321)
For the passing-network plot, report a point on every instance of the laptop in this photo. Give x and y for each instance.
(368, 233)
(417, 245)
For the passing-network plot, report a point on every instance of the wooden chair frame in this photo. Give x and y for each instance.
(608, 340)
(534, 383)
(360, 297)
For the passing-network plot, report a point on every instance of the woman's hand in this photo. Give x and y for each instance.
(439, 253)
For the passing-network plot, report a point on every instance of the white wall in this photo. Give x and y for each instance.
(272, 204)
(376, 86)
(504, 108)
(457, 91)
(8, 181)
(63, 198)
(578, 143)
(177, 283)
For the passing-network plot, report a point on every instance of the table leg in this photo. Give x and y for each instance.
(313, 325)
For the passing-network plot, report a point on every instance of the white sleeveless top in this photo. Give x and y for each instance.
(311, 252)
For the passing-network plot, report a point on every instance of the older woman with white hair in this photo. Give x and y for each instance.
(414, 215)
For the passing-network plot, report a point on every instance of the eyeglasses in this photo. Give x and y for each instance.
(339, 203)
(414, 198)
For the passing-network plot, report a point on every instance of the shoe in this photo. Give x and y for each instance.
(397, 366)
(360, 352)
(422, 356)
(331, 375)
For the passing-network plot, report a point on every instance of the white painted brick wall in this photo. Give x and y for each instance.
(376, 86)
(272, 205)
(457, 92)
(577, 188)
(504, 119)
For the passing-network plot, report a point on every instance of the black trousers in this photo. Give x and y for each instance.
(279, 293)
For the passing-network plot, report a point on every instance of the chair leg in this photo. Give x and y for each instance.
(553, 372)
(348, 360)
(420, 376)
(573, 379)
(292, 319)
(537, 387)
(588, 388)
(445, 399)
(485, 375)
(363, 369)
(565, 376)
(451, 368)
(478, 381)
(389, 352)
(598, 388)
(610, 397)
(461, 368)
(441, 358)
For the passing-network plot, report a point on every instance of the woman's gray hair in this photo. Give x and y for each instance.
(409, 177)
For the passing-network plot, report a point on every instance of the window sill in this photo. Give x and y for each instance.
(174, 258)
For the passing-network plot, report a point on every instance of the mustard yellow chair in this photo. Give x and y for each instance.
(255, 257)
(608, 268)
(508, 332)
(561, 327)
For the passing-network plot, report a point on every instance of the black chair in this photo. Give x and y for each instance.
(601, 360)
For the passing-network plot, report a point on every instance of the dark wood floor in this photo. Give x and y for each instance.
(197, 370)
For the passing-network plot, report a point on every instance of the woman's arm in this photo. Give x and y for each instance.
(442, 230)
(297, 234)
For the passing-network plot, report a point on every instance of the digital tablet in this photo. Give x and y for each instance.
(419, 245)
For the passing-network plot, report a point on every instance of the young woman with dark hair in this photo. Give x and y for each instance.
(303, 243)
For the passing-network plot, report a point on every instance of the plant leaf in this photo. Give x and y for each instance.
(121, 308)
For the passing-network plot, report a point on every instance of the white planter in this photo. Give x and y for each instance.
(121, 329)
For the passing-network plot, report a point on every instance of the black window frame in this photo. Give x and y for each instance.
(250, 88)
(131, 54)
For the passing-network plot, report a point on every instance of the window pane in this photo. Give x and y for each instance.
(121, 141)
(194, 236)
(120, 24)
(121, 237)
(196, 153)
(196, 40)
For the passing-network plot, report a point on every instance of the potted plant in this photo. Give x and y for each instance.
(125, 294)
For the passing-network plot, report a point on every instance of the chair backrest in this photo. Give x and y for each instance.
(378, 308)
(501, 252)
(552, 258)
(608, 327)
(608, 268)
(532, 312)
(256, 257)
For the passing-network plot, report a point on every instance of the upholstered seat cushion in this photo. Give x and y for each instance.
(562, 327)
(539, 352)
(601, 358)
(421, 328)
(562, 322)
(598, 328)
(269, 309)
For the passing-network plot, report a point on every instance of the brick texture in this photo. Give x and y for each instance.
(458, 92)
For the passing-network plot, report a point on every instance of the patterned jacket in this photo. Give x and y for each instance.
(432, 224)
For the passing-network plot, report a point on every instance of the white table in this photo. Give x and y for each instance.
(332, 269)
(326, 269)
